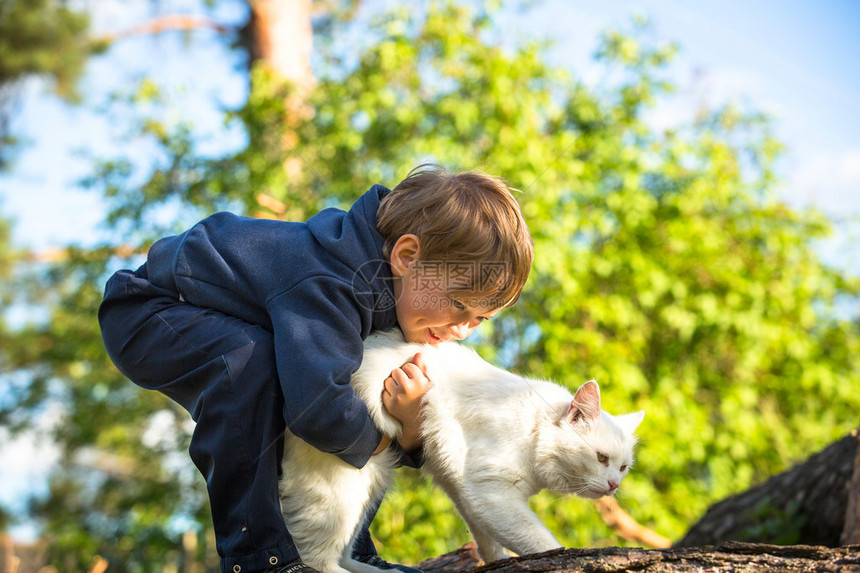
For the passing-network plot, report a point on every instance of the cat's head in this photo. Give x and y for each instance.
(594, 449)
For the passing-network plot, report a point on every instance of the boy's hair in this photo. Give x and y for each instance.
(468, 223)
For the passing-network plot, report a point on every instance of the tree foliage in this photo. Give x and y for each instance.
(666, 268)
(39, 38)
(42, 37)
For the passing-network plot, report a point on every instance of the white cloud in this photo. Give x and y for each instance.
(729, 83)
(827, 180)
(851, 165)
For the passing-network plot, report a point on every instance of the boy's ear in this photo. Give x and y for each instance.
(404, 254)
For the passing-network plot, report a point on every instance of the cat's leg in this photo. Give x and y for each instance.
(499, 516)
(488, 548)
(323, 500)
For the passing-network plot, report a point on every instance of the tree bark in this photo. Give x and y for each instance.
(851, 531)
(729, 556)
(281, 36)
(806, 504)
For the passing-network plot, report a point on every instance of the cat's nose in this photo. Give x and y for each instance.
(613, 485)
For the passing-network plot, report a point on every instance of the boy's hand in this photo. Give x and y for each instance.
(401, 398)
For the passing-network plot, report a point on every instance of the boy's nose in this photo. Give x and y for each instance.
(460, 331)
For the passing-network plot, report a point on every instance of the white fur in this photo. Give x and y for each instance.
(492, 439)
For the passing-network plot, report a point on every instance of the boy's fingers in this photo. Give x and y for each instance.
(390, 389)
(416, 383)
(398, 384)
(398, 377)
(392, 393)
(418, 360)
(386, 398)
(411, 370)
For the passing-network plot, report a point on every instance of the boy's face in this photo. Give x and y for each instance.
(427, 309)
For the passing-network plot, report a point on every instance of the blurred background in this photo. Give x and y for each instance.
(691, 176)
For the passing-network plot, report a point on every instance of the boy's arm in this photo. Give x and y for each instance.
(318, 345)
(401, 398)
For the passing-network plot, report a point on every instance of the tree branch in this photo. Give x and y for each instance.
(727, 557)
(627, 527)
(63, 254)
(167, 23)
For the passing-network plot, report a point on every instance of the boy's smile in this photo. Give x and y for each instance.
(426, 315)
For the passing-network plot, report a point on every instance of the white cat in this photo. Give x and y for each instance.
(492, 439)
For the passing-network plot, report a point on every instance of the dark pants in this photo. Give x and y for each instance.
(222, 370)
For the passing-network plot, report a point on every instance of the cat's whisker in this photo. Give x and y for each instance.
(576, 481)
(622, 501)
(560, 497)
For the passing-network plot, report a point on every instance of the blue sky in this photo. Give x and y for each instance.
(797, 60)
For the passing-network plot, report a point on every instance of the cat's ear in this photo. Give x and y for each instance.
(585, 405)
(630, 421)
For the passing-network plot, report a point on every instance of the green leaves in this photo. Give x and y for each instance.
(665, 268)
(42, 37)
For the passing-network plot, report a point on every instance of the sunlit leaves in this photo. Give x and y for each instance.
(665, 268)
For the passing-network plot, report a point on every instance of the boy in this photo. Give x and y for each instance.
(255, 326)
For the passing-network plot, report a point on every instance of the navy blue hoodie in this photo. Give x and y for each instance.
(320, 287)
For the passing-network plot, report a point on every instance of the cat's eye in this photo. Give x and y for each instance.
(623, 468)
(602, 458)
(458, 304)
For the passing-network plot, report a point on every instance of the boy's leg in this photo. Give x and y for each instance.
(222, 371)
(363, 550)
(363, 543)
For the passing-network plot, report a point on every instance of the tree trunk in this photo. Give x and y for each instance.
(851, 532)
(280, 34)
(729, 556)
(807, 504)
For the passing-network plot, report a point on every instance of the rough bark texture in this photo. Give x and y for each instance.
(806, 504)
(729, 556)
(851, 532)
